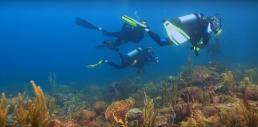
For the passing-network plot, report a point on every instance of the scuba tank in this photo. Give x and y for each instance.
(187, 18)
(134, 52)
(189, 24)
(133, 55)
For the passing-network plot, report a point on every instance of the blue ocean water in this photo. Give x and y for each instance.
(41, 37)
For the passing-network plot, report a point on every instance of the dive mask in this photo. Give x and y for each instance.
(216, 25)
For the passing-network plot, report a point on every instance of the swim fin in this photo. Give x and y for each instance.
(175, 34)
(133, 22)
(84, 23)
(97, 64)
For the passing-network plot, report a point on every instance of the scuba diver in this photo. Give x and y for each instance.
(130, 32)
(137, 58)
(195, 28)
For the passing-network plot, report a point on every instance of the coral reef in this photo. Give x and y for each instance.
(168, 94)
(251, 74)
(117, 111)
(198, 75)
(100, 107)
(134, 117)
(250, 115)
(88, 115)
(54, 123)
(197, 119)
(251, 93)
(122, 89)
(228, 78)
(200, 96)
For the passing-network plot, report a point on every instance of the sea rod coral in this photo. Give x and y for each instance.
(149, 113)
(34, 113)
(4, 109)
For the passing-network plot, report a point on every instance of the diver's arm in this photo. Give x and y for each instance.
(154, 59)
(204, 40)
(160, 41)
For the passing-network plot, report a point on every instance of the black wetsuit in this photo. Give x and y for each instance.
(137, 60)
(196, 30)
(128, 33)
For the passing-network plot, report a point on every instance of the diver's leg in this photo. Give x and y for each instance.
(118, 42)
(115, 44)
(112, 34)
(122, 57)
(124, 62)
(84, 23)
(105, 44)
(108, 44)
(100, 62)
(117, 66)
(160, 41)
